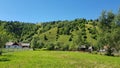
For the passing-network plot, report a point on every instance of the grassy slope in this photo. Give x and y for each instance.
(51, 35)
(57, 59)
(89, 39)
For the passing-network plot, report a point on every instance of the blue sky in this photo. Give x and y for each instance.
(50, 10)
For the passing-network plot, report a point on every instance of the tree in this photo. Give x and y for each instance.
(112, 40)
(116, 38)
(34, 43)
(110, 17)
(103, 20)
(106, 20)
(80, 40)
(3, 40)
(117, 18)
(45, 37)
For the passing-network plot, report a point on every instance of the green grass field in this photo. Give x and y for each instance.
(57, 59)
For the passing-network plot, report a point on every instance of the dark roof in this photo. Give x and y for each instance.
(15, 43)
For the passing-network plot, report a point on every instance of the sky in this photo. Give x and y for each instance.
(52, 10)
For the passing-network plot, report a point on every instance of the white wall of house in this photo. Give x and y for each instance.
(13, 46)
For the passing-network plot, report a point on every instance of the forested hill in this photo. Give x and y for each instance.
(65, 35)
(18, 31)
(62, 32)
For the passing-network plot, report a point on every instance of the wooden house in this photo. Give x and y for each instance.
(17, 45)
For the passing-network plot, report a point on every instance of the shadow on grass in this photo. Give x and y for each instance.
(4, 59)
(7, 55)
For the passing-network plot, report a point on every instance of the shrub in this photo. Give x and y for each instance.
(65, 47)
(50, 46)
(94, 37)
(109, 52)
(85, 37)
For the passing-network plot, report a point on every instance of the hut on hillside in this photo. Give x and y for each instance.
(17, 45)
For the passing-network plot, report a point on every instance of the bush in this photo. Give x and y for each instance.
(58, 46)
(85, 37)
(70, 39)
(88, 28)
(109, 52)
(94, 37)
(92, 31)
(40, 45)
(65, 47)
(50, 46)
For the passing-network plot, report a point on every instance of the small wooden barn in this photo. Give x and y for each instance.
(17, 45)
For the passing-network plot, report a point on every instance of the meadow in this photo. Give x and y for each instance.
(57, 59)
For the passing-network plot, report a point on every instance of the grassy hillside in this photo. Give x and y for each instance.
(60, 33)
(65, 35)
(56, 59)
(57, 33)
(52, 36)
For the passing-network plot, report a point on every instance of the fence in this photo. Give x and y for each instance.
(15, 49)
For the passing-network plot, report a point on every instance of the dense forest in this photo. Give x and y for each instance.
(66, 35)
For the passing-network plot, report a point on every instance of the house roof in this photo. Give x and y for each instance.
(9, 43)
(20, 44)
(15, 43)
(25, 44)
(83, 46)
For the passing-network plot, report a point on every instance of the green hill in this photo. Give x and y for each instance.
(56, 32)
(65, 35)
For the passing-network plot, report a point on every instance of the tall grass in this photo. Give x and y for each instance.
(56, 59)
